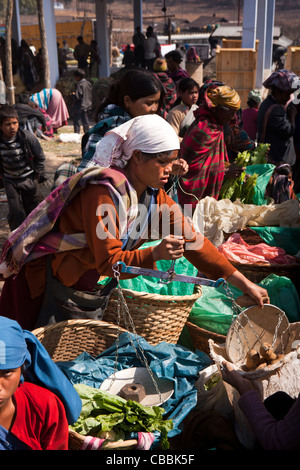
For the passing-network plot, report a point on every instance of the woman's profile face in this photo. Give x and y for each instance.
(224, 115)
(155, 171)
(146, 105)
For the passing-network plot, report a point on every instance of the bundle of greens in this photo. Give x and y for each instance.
(243, 186)
(103, 412)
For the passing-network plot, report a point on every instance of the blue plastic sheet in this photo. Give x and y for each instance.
(174, 362)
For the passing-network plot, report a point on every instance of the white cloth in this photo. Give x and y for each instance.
(149, 133)
(214, 218)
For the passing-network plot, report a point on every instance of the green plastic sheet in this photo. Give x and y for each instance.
(287, 238)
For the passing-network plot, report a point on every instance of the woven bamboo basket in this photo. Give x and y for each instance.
(156, 317)
(257, 272)
(201, 336)
(65, 340)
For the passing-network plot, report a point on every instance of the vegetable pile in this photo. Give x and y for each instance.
(103, 412)
(243, 187)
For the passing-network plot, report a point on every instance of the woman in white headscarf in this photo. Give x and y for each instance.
(98, 217)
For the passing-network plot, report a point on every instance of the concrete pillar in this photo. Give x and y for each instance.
(138, 14)
(261, 36)
(102, 37)
(249, 24)
(269, 34)
(50, 27)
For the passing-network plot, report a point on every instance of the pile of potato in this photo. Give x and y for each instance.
(262, 358)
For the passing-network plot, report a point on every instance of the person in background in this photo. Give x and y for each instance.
(249, 114)
(128, 58)
(21, 166)
(191, 55)
(274, 421)
(81, 54)
(82, 101)
(170, 97)
(37, 401)
(181, 116)
(136, 93)
(51, 100)
(151, 48)
(28, 71)
(203, 146)
(276, 120)
(30, 117)
(95, 59)
(139, 40)
(236, 138)
(175, 72)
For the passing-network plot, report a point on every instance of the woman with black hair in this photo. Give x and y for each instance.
(138, 92)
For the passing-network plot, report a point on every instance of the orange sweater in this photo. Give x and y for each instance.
(81, 216)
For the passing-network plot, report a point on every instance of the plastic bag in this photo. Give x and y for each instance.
(213, 310)
(264, 173)
(153, 285)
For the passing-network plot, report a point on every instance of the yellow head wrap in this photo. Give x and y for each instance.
(224, 96)
(160, 65)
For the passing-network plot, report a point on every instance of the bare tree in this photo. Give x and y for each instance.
(8, 59)
(40, 8)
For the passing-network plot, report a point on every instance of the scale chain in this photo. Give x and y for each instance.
(122, 306)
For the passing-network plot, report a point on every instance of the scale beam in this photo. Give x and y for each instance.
(166, 276)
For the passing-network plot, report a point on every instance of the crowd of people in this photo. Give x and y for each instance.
(158, 129)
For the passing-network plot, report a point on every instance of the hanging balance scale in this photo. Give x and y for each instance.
(250, 329)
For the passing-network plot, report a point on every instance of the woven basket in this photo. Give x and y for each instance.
(156, 317)
(257, 272)
(200, 337)
(64, 341)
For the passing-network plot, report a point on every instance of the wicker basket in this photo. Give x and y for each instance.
(257, 272)
(64, 341)
(200, 337)
(156, 317)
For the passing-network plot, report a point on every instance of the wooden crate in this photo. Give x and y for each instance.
(236, 44)
(237, 67)
(293, 59)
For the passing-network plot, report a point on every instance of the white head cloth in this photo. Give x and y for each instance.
(149, 133)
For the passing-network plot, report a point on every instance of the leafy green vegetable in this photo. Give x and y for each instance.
(243, 186)
(102, 411)
(259, 154)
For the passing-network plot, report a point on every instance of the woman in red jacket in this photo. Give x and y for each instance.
(32, 417)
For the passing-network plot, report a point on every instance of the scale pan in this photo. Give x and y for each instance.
(140, 375)
(264, 322)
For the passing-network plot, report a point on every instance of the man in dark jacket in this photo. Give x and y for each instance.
(82, 101)
(21, 166)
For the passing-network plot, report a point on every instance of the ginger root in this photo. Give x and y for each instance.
(266, 351)
(258, 360)
(252, 359)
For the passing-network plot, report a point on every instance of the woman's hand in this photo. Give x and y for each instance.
(257, 293)
(234, 378)
(233, 171)
(180, 167)
(170, 248)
